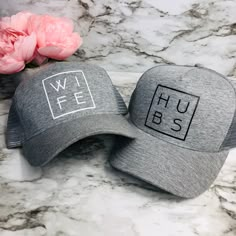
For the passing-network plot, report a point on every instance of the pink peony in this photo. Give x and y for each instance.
(17, 22)
(55, 36)
(16, 49)
(26, 37)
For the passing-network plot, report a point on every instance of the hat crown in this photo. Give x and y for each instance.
(187, 106)
(62, 92)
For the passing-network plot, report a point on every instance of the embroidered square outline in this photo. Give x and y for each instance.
(74, 111)
(197, 98)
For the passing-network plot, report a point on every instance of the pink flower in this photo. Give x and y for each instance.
(55, 36)
(26, 37)
(16, 49)
(17, 22)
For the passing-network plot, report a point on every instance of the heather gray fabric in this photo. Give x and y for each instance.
(65, 102)
(183, 115)
(230, 140)
(51, 142)
(208, 97)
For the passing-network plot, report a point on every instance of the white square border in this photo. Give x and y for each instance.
(66, 72)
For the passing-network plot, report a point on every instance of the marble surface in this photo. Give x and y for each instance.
(133, 35)
(80, 194)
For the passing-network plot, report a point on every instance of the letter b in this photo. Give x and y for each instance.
(157, 118)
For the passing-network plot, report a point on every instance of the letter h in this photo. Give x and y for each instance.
(164, 99)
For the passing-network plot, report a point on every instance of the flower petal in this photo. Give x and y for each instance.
(17, 22)
(9, 65)
(25, 48)
(50, 51)
(70, 46)
(39, 59)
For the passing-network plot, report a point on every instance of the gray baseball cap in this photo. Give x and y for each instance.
(61, 104)
(186, 122)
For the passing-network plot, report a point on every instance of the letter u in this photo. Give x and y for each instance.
(178, 107)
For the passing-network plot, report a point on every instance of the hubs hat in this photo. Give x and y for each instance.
(186, 122)
(63, 103)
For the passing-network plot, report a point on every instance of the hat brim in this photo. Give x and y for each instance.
(39, 150)
(182, 172)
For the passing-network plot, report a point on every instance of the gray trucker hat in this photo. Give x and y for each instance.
(63, 103)
(185, 117)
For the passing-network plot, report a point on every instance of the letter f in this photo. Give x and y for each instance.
(60, 100)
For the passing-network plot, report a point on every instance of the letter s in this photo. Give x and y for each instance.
(177, 124)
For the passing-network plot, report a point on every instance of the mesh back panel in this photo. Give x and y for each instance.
(230, 139)
(14, 130)
(120, 102)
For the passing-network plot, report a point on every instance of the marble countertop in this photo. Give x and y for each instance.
(125, 35)
(78, 193)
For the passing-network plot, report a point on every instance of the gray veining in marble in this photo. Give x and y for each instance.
(127, 35)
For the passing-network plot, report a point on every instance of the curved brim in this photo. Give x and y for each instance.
(42, 148)
(177, 170)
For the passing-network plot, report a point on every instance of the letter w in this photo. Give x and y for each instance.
(59, 85)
